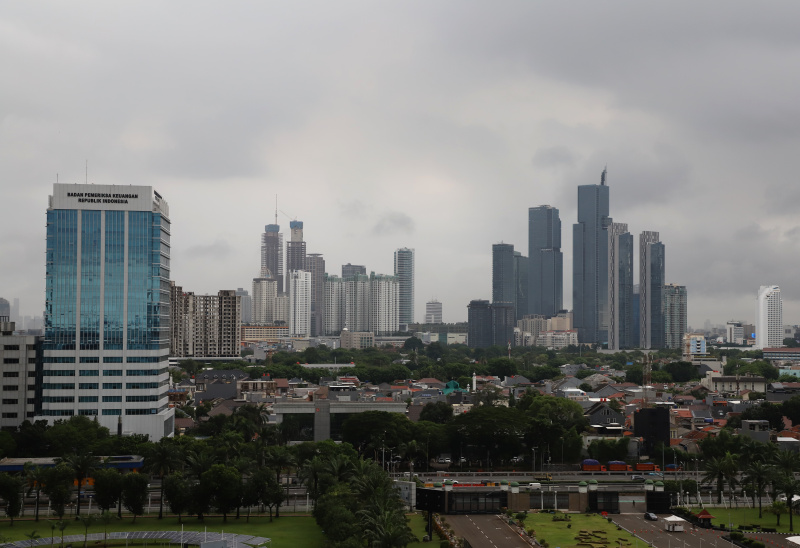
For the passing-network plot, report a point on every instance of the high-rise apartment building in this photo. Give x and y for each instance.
(590, 263)
(545, 261)
(734, 332)
(404, 270)
(20, 356)
(620, 287)
(651, 290)
(479, 319)
(534, 325)
(383, 304)
(357, 303)
(107, 308)
(295, 248)
(769, 317)
(353, 269)
(205, 326)
(299, 303)
(433, 312)
(333, 320)
(265, 295)
(5, 308)
(247, 305)
(674, 315)
(315, 265)
(504, 287)
(272, 254)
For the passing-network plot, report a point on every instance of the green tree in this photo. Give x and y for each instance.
(162, 461)
(87, 521)
(790, 487)
(58, 487)
(280, 459)
(777, 508)
(177, 491)
(107, 489)
(36, 476)
(225, 483)
(83, 465)
(134, 493)
(11, 492)
(439, 412)
(758, 474)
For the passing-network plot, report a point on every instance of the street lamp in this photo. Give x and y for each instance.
(533, 464)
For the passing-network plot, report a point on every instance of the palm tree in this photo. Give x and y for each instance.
(82, 465)
(787, 461)
(731, 472)
(790, 487)
(310, 474)
(36, 476)
(162, 461)
(758, 474)
(715, 472)
(777, 508)
(200, 462)
(280, 458)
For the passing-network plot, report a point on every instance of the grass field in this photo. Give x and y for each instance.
(289, 531)
(749, 516)
(558, 534)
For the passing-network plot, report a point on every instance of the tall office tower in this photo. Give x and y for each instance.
(520, 284)
(769, 317)
(315, 265)
(335, 305)
(5, 308)
(20, 356)
(357, 303)
(265, 295)
(353, 269)
(15, 316)
(674, 315)
(205, 326)
(404, 270)
(479, 320)
(295, 248)
(504, 288)
(620, 287)
(590, 263)
(503, 324)
(433, 312)
(545, 261)
(651, 290)
(299, 303)
(272, 254)
(247, 306)
(107, 308)
(637, 315)
(383, 304)
(734, 332)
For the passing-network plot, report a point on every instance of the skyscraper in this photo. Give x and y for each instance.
(479, 319)
(383, 304)
(107, 308)
(521, 283)
(637, 313)
(5, 309)
(620, 287)
(357, 302)
(404, 270)
(769, 317)
(674, 315)
(265, 295)
(503, 324)
(272, 254)
(333, 320)
(205, 326)
(299, 303)
(352, 269)
(545, 262)
(590, 263)
(433, 312)
(504, 287)
(315, 265)
(247, 305)
(651, 290)
(296, 248)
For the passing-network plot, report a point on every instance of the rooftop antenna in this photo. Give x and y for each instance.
(603, 176)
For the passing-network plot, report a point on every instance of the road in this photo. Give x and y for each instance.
(486, 531)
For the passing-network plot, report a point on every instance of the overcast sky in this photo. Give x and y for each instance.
(432, 125)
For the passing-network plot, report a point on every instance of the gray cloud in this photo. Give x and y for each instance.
(393, 222)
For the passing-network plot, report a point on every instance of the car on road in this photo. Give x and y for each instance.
(534, 485)
(650, 516)
(637, 477)
(659, 474)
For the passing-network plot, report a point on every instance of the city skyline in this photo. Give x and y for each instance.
(472, 132)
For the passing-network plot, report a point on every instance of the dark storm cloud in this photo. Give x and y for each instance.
(418, 124)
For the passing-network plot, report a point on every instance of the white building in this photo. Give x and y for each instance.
(357, 302)
(557, 340)
(265, 295)
(404, 270)
(299, 303)
(18, 357)
(734, 332)
(383, 304)
(433, 312)
(107, 308)
(769, 317)
(335, 311)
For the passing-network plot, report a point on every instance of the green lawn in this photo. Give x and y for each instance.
(289, 531)
(749, 516)
(558, 534)
(418, 524)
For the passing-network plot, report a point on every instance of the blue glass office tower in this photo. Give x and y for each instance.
(504, 287)
(106, 346)
(620, 288)
(590, 263)
(651, 290)
(545, 262)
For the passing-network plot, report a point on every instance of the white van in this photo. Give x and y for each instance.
(534, 486)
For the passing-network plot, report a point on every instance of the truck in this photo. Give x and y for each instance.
(617, 466)
(672, 468)
(646, 467)
(592, 465)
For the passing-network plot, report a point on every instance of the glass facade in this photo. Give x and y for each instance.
(545, 262)
(107, 301)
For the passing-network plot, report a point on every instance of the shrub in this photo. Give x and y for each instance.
(737, 535)
(444, 544)
(521, 516)
(569, 526)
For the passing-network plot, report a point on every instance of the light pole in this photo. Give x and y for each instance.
(533, 465)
